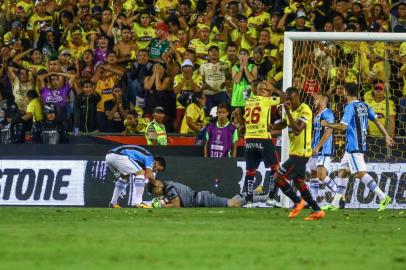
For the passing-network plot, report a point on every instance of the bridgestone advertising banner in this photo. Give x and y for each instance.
(90, 183)
(42, 182)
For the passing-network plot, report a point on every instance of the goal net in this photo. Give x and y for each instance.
(376, 62)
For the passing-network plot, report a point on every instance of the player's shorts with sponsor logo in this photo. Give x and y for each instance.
(122, 164)
(353, 162)
(294, 168)
(257, 150)
(316, 161)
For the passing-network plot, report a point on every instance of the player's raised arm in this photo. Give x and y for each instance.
(296, 125)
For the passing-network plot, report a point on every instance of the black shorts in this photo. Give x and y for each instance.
(294, 168)
(257, 150)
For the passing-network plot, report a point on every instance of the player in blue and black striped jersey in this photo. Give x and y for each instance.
(131, 160)
(355, 123)
(322, 147)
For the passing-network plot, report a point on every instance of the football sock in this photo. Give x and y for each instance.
(314, 187)
(118, 189)
(255, 199)
(372, 185)
(340, 190)
(273, 189)
(137, 191)
(249, 187)
(288, 191)
(330, 183)
(309, 199)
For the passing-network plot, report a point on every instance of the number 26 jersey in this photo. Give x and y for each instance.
(258, 116)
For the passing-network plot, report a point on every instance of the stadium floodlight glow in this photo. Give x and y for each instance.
(288, 64)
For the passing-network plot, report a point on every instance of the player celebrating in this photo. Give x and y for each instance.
(258, 142)
(322, 145)
(355, 123)
(299, 121)
(128, 160)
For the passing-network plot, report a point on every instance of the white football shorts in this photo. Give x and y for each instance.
(353, 162)
(122, 164)
(316, 161)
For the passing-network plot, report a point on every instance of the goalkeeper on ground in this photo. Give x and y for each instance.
(176, 195)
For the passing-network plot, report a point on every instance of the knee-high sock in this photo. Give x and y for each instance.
(288, 191)
(273, 189)
(137, 191)
(314, 188)
(305, 193)
(118, 189)
(249, 185)
(329, 183)
(373, 186)
(243, 201)
(340, 190)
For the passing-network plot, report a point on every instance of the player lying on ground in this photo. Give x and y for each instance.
(178, 195)
(128, 160)
(355, 123)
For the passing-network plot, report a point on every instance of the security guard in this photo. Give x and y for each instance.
(12, 129)
(155, 132)
(49, 130)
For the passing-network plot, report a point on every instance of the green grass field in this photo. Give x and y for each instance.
(83, 238)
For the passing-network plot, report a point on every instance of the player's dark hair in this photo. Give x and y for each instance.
(186, 3)
(223, 106)
(161, 161)
(351, 89)
(191, 51)
(107, 9)
(133, 113)
(126, 27)
(232, 44)
(292, 90)
(87, 82)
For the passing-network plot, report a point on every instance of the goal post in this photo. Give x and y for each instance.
(358, 51)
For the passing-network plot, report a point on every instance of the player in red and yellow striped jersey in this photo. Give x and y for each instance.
(258, 142)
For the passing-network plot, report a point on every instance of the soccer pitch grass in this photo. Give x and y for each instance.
(95, 238)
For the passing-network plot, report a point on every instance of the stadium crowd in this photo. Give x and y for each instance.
(110, 66)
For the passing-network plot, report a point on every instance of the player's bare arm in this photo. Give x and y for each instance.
(174, 203)
(336, 126)
(323, 139)
(389, 141)
(150, 175)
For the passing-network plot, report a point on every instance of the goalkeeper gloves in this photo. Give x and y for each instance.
(156, 203)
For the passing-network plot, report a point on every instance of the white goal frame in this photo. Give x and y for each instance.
(290, 37)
